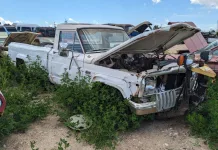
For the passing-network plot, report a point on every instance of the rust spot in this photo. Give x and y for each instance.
(137, 92)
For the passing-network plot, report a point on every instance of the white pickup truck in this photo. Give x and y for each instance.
(106, 54)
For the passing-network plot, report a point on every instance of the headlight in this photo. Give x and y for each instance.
(150, 86)
(190, 59)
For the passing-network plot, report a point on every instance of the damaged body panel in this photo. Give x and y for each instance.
(106, 54)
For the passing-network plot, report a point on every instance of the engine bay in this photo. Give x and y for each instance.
(131, 62)
(135, 62)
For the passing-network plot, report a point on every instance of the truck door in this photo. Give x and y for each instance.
(69, 61)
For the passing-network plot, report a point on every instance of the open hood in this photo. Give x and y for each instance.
(140, 27)
(153, 41)
(20, 37)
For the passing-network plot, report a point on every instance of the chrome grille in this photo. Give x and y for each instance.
(167, 99)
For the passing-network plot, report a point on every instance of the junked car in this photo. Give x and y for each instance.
(212, 48)
(132, 30)
(26, 38)
(133, 66)
(3, 35)
(2, 104)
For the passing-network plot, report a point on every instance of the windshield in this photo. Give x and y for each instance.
(11, 29)
(100, 40)
(26, 29)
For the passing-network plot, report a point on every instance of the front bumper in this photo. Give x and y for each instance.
(163, 101)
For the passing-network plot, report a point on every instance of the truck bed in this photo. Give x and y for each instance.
(29, 53)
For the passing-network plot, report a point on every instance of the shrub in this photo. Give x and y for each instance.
(204, 121)
(20, 86)
(102, 104)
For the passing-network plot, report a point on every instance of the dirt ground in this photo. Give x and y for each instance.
(170, 134)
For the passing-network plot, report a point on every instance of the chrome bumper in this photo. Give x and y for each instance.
(163, 101)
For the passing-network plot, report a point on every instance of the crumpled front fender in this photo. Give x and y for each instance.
(121, 85)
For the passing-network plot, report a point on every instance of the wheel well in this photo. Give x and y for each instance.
(111, 86)
(19, 62)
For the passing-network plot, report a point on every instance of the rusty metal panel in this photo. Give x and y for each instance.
(196, 42)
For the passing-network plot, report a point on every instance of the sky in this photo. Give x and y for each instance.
(204, 13)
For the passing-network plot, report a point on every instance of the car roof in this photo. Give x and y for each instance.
(75, 26)
(25, 25)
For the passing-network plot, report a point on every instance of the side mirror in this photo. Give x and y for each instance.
(64, 49)
(206, 55)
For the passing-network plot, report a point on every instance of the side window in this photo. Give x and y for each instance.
(70, 40)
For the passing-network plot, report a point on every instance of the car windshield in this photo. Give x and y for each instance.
(101, 40)
(11, 29)
(26, 29)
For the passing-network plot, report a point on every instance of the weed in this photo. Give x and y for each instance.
(20, 85)
(32, 145)
(63, 144)
(204, 121)
(100, 103)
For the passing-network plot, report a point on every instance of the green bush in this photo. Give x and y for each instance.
(20, 86)
(102, 104)
(204, 121)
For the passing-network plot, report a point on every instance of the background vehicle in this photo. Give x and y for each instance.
(126, 27)
(31, 38)
(2, 103)
(3, 34)
(106, 54)
(46, 31)
(10, 29)
(21, 27)
(213, 49)
(132, 30)
(140, 28)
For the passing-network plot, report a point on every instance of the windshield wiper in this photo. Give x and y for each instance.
(98, 50)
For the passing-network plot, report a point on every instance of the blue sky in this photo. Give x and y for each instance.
(45, 12)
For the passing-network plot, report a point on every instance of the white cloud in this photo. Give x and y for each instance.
(95, 22)
(72, 20)
(156, 1)
(17, 21)
(3, 21)
(208, 3)
(46, 22)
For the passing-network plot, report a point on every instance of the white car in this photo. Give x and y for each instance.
(107, 55)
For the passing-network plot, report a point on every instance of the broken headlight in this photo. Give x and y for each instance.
(150, 86)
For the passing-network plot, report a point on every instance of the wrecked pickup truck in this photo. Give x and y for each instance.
(132, 66)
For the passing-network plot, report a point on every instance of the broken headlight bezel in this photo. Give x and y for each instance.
(150, 86)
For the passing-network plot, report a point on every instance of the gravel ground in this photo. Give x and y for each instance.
(170, 134)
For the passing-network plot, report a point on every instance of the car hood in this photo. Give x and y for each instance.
(153, 41)
(140, 27)
(20, 37)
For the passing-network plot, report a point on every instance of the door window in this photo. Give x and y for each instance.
(69, 39)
